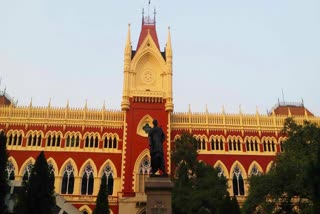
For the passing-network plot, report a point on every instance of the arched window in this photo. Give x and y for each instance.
(10, 170)
(51, 174)
(254, 171)
(114, 142)
(144, 171)
(248, 145)
(220, 171)
(27, 172)
(237, 181)
(108, 173)
(72, 140)
(87, 181)
(203, 144)
(230, 145)
(68, 180)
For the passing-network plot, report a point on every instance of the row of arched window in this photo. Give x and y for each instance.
(68, 177)
(54, 139)
(237, 176)
(234, 143)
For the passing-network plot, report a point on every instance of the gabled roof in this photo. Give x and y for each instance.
(148, 27)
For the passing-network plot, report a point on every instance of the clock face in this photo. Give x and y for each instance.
(148, 76)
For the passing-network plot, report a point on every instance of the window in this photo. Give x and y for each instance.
(201, 144)
(252, 145)
(216, 144)
(87, 181)
(237, 182)
(281, 146)
(234, 145)
(10, 171)
(68, 180)
(91, 142)
(51, 174)
(72, 140)
(110, 142)
(144, 171)
(220, 171)
(108, 173)
(27, 172)
(35, 139)
(14, 139)
(254, 171)
(53, 140)
(268, 145)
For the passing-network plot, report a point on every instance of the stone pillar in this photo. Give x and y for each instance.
(158, 189)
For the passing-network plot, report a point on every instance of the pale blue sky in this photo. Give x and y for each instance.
(227, 53)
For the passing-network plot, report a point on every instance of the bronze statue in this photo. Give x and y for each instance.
(156, 138)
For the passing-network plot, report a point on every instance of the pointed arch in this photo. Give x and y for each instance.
(142, 155)
(104, 165)
(14, 162)
(85, 208)
(243, 171)
(139, 178)
(68, 173)
(220, 164)
(54, 164)
(93, 165)
(30, 160)
(12, 167)
(269, 166)
(72, 163)
(147, 119)
(72, 133)
(238, 174)
(176, 137)
(251, 167)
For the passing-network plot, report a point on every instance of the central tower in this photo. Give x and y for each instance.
(147, 95)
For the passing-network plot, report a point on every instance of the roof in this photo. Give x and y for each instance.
(148, 27)
(295, 109)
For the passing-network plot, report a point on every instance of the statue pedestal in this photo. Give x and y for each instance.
(158, 190)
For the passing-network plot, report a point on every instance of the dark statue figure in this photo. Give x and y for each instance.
(156, 138)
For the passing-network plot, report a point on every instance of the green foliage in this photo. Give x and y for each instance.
(293, 183)
(102, 204)
(38, 197)
(197, 186)
(3, 166)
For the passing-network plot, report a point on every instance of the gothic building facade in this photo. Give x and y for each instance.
(83, 144)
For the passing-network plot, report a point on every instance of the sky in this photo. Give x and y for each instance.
(236, 54)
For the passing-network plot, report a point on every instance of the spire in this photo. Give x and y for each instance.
(148, 28)
(128, 47)
(168, 46)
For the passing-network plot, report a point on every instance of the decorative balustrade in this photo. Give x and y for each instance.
(192, 120)
(55, 115)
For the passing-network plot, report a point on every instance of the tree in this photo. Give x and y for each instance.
(3, 166)
(38, 197)
(102, 204)
(197, 186)
(293, 183)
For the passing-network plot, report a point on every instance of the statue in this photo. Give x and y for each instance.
(156, 138)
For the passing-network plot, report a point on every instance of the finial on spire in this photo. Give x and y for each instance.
(49, 104)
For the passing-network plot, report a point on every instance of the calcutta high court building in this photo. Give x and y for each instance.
(82, 145)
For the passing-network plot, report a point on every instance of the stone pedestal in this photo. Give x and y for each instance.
(158, 190)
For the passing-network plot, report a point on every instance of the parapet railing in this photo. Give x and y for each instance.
(57, 115)
(240, 121)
